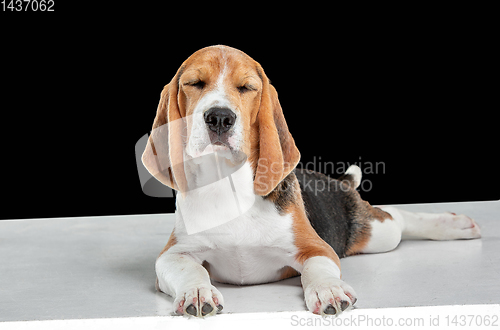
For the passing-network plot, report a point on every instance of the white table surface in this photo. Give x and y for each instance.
(103, 267)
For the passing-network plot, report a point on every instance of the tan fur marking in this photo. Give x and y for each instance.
(358, 246)
(287, 272)
(376, 213)
(368, 213)
(307, 241)
(278, 154)
(171, 242)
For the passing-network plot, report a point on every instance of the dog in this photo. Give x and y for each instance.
(244, 214)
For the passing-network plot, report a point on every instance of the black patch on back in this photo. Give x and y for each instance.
(331, 207)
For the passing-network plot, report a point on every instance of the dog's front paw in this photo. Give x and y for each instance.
(199, 302)
(330, 297)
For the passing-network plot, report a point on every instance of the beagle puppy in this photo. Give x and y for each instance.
(244, 213)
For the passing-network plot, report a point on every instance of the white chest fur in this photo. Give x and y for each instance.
(251, 247)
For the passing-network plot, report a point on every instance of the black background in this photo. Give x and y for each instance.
(81, 86)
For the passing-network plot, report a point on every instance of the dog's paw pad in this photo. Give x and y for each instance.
(191, 310)
(207, 309)
(330, 298)
(330, 310)
(199, 302)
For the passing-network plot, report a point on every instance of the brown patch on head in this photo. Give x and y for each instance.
(231, 72)
(247, 92)
(220, 68)
(268, 144)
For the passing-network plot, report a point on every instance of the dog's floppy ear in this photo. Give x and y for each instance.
(163, 156)
(278, 154)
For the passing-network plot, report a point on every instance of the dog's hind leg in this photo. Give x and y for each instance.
(435, 226)
(383, 233)
(377, 232)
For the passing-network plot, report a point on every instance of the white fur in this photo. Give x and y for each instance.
(323, 286)
(210, 205)
(198, 138)
(436, 226)
(250, 247)
(236, 138)
(185, 279)
(355, 171)
(385, 236)
(245, 246)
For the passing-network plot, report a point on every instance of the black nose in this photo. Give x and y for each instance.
(219, 120)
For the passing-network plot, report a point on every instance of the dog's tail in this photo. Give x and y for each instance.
(352, 176)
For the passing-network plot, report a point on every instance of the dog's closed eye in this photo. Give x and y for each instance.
(246, 88)
(200, 84)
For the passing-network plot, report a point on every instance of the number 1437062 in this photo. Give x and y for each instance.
(27, 5)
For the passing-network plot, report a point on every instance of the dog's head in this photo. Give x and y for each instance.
(220, 100)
